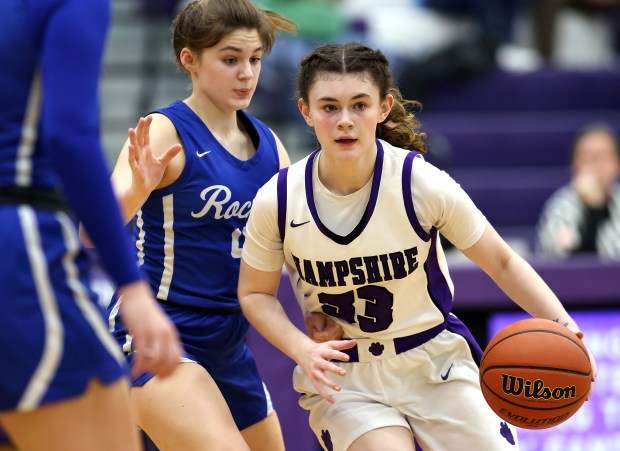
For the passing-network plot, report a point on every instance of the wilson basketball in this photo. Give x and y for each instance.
(535, 373)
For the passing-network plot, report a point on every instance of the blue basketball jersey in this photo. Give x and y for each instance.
(53, 337)
(189, 235)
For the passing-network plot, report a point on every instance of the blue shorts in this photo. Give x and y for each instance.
(53, 336)
(217, 342)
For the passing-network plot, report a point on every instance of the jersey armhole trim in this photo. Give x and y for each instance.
(282, 198)
(408, 198)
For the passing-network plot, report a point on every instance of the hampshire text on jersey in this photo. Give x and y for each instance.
(364, 270)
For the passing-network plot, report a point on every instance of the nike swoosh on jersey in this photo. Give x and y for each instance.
(445, 376)
(297, 224)
(202, 154)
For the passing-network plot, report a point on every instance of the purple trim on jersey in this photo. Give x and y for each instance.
(408, 198)
(352, 353)
(457, 326)
(404, 344)
(370, 208)
(438, 288)
(281, 188)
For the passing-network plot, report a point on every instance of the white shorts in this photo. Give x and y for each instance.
(433, 390)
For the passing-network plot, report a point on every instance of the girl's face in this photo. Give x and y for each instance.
(596, 153)
(227, 73)
(344, 110)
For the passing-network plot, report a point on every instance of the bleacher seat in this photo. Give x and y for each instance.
(507, 138)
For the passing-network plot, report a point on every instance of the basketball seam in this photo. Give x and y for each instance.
(488, 350)
(544, 368)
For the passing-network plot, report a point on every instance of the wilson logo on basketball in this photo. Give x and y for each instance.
(517, 386)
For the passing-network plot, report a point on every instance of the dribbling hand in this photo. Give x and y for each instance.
(317, 360)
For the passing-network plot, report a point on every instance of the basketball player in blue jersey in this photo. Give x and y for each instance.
(62, 378)
(188, 174)
(357, 224)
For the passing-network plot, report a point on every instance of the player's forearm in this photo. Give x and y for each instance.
(268, 317)
(130, 201)
(529, 291)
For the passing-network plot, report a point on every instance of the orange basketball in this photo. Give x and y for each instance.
(535, 373)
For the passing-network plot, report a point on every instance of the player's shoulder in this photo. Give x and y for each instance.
(398, 153)
(270, 187)
(297, 170)
(395, 157)
(163, 128)
(424, 174)
(266, 198)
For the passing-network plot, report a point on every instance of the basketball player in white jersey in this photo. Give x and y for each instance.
(357, 224)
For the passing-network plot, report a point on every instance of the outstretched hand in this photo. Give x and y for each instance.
(322, 327)
(147, 170)
(316, 360)
(156, 344)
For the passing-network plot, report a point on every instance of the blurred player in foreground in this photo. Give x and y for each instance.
(63, 382)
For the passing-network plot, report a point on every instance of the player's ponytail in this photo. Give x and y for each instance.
(401, 126)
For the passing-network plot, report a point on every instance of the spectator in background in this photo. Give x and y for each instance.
(591, 44)
(584, 216)
(494, 18)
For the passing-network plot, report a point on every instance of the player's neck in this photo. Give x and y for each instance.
(220, 123)
(344, 177)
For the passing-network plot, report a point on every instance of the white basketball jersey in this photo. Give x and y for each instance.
(387, 278)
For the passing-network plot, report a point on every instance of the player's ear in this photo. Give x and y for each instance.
(189, 60)
(304, 109)
(386, 107)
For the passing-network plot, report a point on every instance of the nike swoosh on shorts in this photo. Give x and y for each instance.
(445, 376)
